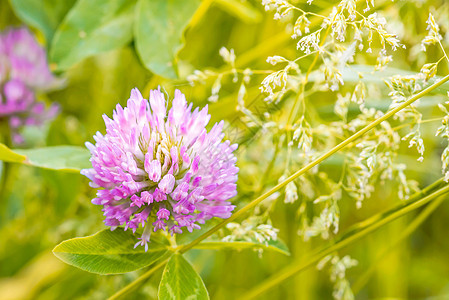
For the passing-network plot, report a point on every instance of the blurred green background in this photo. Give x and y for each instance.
(40, 208)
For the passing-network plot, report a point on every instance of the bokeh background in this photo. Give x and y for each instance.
(40, 208)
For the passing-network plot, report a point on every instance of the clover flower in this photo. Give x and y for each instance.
(161, 170)
(23, 71)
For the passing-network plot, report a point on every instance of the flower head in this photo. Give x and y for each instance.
(23, 71)
(161, 169)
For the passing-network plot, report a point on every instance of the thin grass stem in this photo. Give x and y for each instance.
(363, 279)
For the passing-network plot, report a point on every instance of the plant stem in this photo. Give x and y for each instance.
(142, 278)
(424, 192)
(270, 166)
(362, 280)
(200, 12)
(282, 184)
(5, 169)
(299, 266)
(305, 81)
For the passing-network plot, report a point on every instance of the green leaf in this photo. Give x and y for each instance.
(109, 252)
(66, 158)
(9, 155)
(44, 15)
(63, 158)
(158, 32)
(91, 27)
(180, 281)
(277, 245)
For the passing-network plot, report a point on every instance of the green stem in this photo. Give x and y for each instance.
(5, 170)
(142, 278)
(415, 197)
(362, 280)
(5, 133)
(294, 109)
(299, 266)
(270, 166)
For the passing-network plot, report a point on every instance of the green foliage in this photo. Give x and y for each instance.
(160, 25)
(274, 245)
(9, 155)
(245, 11)
(92, 27)
(64, 158)
(181, 281)
(44, 15)
(108, 252)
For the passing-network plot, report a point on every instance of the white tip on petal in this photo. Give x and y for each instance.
(167, 183)
(153, 168)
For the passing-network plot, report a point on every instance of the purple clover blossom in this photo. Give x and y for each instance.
(160, 169)
(23, 71)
